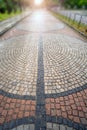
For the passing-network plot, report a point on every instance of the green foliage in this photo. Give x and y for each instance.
(9, 5)
(74, 3)
(6, 15)
(83, 3)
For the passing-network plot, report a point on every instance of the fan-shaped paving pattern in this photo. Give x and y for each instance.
(31, 63)
(18, 66)
(65, 63)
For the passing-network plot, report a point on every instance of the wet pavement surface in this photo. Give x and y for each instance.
(43, 76)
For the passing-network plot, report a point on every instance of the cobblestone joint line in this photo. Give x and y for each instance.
(40, 123)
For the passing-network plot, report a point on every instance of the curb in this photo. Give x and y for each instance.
(75, 29)
(9, 27)
(72, 27)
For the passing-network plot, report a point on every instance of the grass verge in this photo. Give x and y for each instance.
(6, 15)
(79, 27)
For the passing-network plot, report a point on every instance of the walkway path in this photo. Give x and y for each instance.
(43, 76)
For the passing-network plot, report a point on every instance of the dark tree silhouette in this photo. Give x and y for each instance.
(10, 5)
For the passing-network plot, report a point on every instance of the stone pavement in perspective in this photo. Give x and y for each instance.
(43, 76)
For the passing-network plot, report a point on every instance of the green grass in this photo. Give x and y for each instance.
(80, 27)
(6, 15)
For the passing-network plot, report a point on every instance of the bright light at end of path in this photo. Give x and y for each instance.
(38, 2)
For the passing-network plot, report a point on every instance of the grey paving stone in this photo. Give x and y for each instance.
(49, 125)
(14, 129)
(56, 127)
(20, 127)
(62, 127)
(26, 127)
(68, 128)
(31, 127)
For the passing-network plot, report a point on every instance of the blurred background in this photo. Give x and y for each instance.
(9, 8)
(69, 4)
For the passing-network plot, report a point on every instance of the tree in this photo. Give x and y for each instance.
(83, 3)
(73, 3)
(9, 5)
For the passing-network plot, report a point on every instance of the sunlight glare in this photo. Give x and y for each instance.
(38, 2)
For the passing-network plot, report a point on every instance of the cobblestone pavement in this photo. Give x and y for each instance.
(43, 76)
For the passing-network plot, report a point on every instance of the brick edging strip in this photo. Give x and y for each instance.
(52, 119)
(66, 93)
(14, 123)
(16, 96)
(64, 121)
